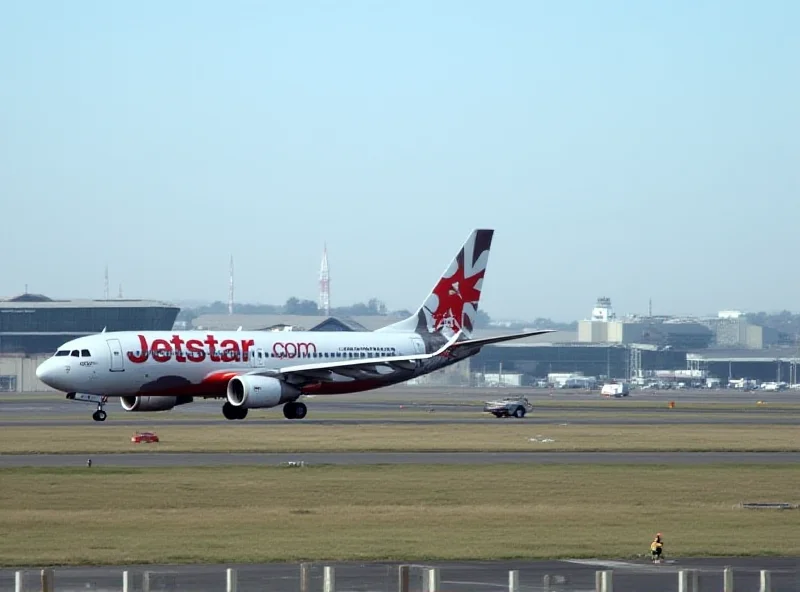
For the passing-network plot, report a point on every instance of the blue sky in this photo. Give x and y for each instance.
(632, 150)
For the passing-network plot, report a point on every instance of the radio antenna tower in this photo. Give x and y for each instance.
(105, 290)
(230, 291)
(324, 284)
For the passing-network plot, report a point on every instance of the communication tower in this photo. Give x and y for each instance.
(324, 284)
(230, 290)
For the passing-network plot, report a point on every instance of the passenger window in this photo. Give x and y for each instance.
(74, 353)
(85, 353)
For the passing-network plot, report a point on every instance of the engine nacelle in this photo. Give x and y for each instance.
(152, 403)
(258, 392)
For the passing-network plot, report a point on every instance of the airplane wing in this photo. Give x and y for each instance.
(352, 368)
(499, 339)
(361, 368)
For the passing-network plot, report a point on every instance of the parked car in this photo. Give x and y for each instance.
(508, 407)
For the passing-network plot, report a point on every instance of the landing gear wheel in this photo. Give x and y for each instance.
(231, 412)
(295, 410)
(99, 415)
(519, 413)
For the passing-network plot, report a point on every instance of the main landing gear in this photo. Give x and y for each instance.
(293, 410)
(99, 415)
(231, 412)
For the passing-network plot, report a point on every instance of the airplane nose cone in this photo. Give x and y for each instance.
(44, 372)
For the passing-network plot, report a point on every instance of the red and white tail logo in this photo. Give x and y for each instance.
(453, 302)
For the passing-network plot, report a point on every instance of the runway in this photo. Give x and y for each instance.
(460, 406)
(463, 576)
(207, 459)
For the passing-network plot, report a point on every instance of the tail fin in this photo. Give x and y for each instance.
(453, 302)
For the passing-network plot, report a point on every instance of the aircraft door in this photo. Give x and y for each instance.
(115, 349)
(419, 345)
(259, 357)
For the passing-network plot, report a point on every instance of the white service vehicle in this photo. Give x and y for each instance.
(616, 389)
(508, 407)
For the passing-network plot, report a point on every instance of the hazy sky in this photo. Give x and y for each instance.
(626, 149)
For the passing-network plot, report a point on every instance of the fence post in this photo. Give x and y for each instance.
(48, 575)
(126, 582)
(513, 580)
(232, 579)
(728, 580)
(683, 581)
(766, 581)
(305, 577)
(431, 582)
(608, 581)
(146, 581)
(403, 579)
(18, 581)
(329, 584)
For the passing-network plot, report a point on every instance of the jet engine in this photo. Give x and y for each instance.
(152, 403)
(258, 392)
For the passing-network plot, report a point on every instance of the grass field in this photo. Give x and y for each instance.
(244, 514)
(498, 437)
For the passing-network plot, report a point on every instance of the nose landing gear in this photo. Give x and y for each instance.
(101, 401)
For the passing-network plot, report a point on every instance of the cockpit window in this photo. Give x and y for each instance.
(85, 353)
(74, 353)
(62, 352)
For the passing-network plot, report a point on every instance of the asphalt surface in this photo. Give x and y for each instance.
(198, 459)
(49, 410)
(472, 576)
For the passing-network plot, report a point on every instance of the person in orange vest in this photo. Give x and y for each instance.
(656, 548)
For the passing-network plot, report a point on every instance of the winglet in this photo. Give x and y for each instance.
(104, 330)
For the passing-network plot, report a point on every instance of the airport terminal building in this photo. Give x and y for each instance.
(32, 326)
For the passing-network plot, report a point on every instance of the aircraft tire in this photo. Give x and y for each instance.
(99, 415)
(230, 412)
(295, 410)
(519, 413)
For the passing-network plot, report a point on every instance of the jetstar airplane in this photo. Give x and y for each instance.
(156, 370)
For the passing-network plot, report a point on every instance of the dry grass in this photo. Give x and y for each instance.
(498, 437)
(116, 516)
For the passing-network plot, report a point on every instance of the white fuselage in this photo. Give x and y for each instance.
(201, 362)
